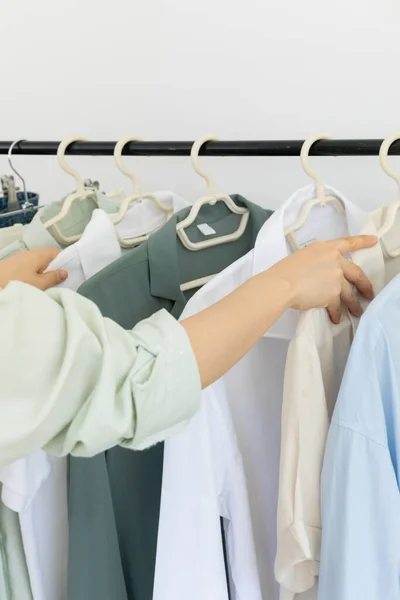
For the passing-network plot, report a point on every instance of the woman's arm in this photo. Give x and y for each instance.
(317, 276)
(72, 381)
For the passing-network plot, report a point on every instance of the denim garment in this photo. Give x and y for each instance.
(7, 220)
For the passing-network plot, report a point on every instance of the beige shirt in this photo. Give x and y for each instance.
(75, 382)
(314, 369)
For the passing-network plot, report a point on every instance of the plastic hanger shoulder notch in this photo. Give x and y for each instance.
(210, 198)
(137, 196)
(80, 193)
(321, 199)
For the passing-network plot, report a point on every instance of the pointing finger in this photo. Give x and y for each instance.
(356, 242)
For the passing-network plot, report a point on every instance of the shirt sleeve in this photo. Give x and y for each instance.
(305, 422)
(74, 382)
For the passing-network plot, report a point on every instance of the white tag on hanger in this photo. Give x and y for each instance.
(206, 229)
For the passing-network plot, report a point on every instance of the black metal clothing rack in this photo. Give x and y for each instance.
(217, 148)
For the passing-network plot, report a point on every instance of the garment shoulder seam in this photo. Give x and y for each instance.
(338, 423)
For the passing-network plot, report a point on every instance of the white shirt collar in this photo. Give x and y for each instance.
(99, 245)
(145, 217)
(271, 246)
(97, 248)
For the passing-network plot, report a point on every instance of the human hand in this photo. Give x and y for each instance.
(29, 267)
(320, 276)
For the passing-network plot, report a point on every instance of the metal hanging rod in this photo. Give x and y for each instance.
(218, 148)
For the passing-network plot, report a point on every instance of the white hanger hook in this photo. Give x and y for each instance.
(194, 155)
(119, 146)
(383, 158)
(80, 186)
(305, 163)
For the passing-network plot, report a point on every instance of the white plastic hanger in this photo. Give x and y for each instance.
(211, 198)
(321, 199)
(80, 194)
(137, 196)
(392, 209)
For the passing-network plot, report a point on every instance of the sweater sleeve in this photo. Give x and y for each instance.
(74, 382)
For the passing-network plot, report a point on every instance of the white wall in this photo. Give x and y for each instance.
(176, 69)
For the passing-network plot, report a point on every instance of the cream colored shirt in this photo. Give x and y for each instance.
(75, 382)
(314, 369)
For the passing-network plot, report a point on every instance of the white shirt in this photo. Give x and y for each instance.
(226, 463)
(36, 486)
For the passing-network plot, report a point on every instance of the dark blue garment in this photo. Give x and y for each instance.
(7, 220)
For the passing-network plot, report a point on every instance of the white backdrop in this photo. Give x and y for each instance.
(177, 69)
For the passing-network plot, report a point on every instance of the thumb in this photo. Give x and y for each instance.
(51, 278)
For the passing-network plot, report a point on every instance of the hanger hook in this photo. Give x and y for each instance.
(119, 146)
(383, 158)
(194, 156)
(305, 163)
(80, 185)
(27, 203)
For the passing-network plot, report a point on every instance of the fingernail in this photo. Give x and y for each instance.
(63, 274)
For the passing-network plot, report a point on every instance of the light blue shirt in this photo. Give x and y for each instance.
(360, 558)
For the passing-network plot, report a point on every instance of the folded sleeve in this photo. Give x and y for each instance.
(305, 423)
(74, 382)
(361, 520)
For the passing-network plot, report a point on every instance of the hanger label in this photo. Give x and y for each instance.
(206, 229)
(323, 223)
(307, 242)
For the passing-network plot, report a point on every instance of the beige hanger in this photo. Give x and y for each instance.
(392, 209)
(321, 199)
(211, 198)
(80, 194)
(137, 196)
